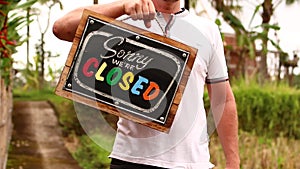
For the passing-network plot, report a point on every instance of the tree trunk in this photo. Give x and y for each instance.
(266, 17)
(42, 61)
(186, 4)
(28, 35)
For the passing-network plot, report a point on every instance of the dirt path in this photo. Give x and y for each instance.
(37, 141)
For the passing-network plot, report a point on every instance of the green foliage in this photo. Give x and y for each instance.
(34, 95)
(11, 21)
(5, 69)
(265, 153)
(90, 156)
(270, 113)
(42, 55)
(63, 107)
(297, 81)
(26, 4)
(30, 77)
(67, 117)
(246, 38)
(289, 2)
(268, 110)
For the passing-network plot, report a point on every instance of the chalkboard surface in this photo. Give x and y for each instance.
(129, 72)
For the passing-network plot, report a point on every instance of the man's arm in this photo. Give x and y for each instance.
(65, 27)
(223, 107)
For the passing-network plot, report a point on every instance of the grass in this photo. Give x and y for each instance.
(90, 155)
(256, 152)
(64, 108)
(267, 86)
(83, 149)
(260, 152)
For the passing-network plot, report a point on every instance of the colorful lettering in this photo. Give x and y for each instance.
(99, 72)
(127, 79)
(148, 90)
(138, 85)
(151, 92)
(87, 65)
(113, 76)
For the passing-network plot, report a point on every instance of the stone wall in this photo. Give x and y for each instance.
(6, 101)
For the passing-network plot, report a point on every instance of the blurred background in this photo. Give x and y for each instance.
(262, 47)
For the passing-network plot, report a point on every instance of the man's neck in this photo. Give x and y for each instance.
(167, 6)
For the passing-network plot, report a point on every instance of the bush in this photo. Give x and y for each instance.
(268, 111)
(90, 156)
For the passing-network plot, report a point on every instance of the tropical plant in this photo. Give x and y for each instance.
(41, 53)
(34, 73)
(10, 22)
(246, 38)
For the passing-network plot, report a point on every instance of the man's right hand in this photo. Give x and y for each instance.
(140, 10)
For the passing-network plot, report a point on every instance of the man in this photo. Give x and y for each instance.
(186, 144)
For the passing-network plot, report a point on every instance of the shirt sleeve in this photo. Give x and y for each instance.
(217, 68)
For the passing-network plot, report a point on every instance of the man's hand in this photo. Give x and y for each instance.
(140, 10)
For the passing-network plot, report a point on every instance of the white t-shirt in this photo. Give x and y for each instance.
(185, 146)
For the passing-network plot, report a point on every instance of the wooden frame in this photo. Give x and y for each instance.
(165, 72)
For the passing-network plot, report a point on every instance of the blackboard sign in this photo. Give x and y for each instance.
(127, 71)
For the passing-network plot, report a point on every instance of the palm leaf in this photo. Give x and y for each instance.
(26, 4)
